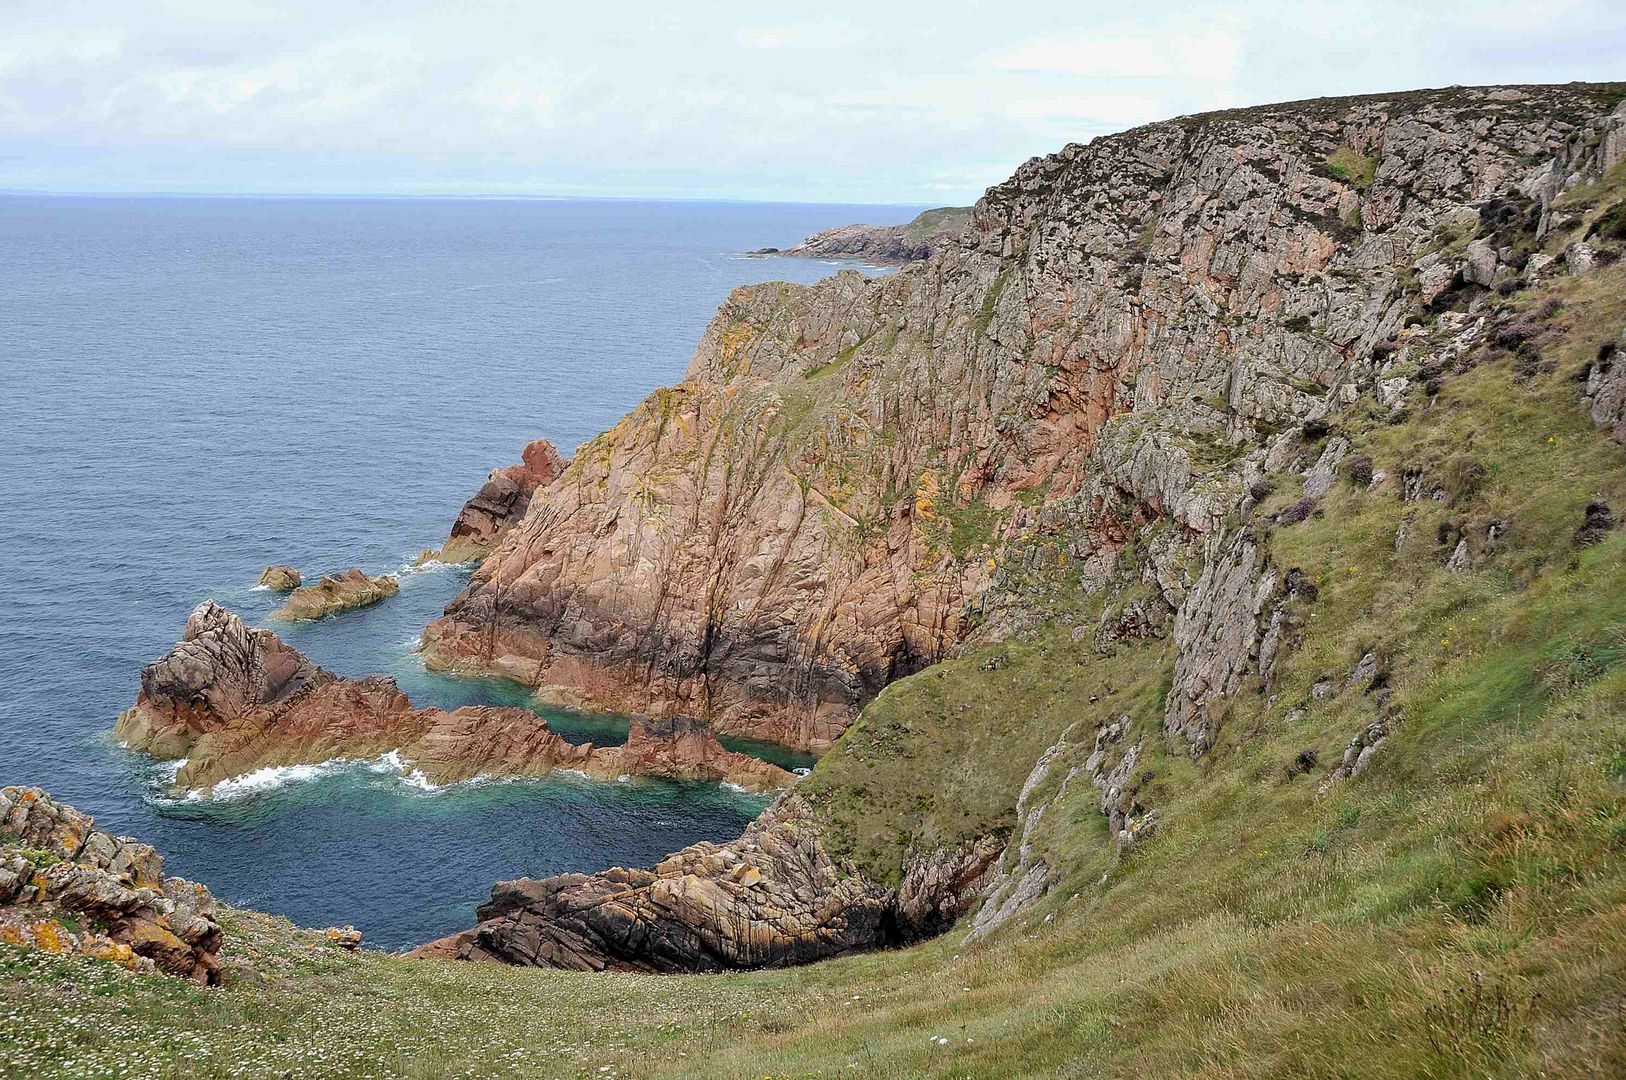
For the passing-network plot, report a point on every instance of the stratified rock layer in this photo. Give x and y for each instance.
(67, 887)
(230, 699)
(771, 898)
(856, 476)
(337, 592)
(501, 502)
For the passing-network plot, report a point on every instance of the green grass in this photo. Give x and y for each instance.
(1353, 167)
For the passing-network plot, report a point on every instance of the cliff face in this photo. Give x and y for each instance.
(501, 501)
(857, 476)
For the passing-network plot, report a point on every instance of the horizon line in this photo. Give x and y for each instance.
(158, 193)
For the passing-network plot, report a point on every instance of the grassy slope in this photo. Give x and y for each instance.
(1459, 909)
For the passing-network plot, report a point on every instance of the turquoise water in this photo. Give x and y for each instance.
(191, 389)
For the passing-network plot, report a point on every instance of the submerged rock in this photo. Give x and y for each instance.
(66, 887)
(773, 897)
(280, 578)
(336, 593)
(229, 700)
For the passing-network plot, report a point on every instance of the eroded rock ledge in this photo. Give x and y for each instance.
(67, 887)
(229, 699)
(773, 897)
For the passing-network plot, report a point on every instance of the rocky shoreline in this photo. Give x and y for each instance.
(883, 245)
(1092, 388)
(772, 898)
(229, 700)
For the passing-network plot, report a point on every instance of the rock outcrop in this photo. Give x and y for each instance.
(337, 592)
(771, 898)
(500, 502)
(858, 476)
(887, 245)
(229, 700)
(680, 748)
(280, 578)
(67, 887)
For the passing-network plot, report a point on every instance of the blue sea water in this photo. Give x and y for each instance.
(194, 388)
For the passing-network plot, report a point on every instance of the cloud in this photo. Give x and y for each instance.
(803, 35)
(1139, 53)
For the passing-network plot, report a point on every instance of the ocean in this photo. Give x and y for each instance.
(194, 388)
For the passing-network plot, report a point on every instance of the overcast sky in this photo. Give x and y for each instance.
(880, 101)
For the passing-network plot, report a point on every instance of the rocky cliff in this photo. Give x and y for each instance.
(230, 699)
(501, 501)
(887, 245)
(773, 897)
(1074, 417)
(857, 477)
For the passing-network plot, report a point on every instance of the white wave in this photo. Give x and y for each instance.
(416, 779)
(802, 770)
(261, 781)
(727, 786)
(260, 588)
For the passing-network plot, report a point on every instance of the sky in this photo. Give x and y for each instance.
(891, 101)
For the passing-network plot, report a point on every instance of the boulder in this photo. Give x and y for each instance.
(280, 578)
(67, 887)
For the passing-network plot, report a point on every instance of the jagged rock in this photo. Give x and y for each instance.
(500, 503)
(1606, 390)
(771, 898)
(884, 244)
(229, 700)
(1217, 636)
(856, 475)
(67, 887)
(1360, 751)
(280, 578)
(336, 593)
(1022, 876)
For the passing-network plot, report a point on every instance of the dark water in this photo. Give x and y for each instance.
(191, 389)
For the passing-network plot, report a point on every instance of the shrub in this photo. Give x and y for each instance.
(1299, 511)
